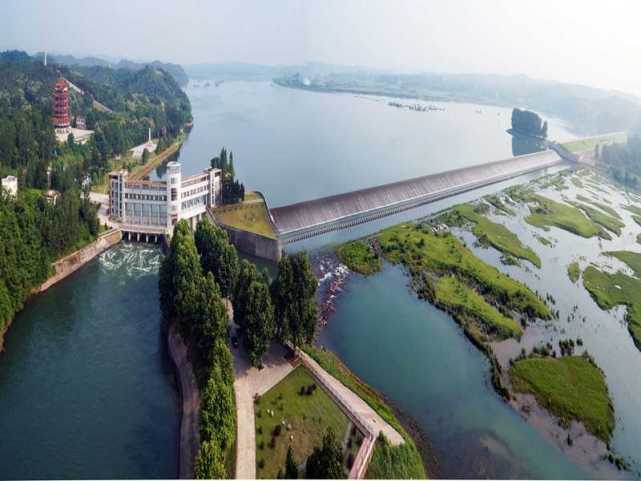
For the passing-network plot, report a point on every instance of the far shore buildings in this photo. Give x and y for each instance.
(154, 206)
(62, 115)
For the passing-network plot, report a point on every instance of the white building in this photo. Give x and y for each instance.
(155, 206)
(10, 184)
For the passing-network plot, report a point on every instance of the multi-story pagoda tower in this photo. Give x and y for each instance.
(61, 115)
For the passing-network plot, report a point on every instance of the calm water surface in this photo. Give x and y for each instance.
(86, 388)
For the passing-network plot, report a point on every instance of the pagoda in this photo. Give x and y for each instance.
(61, 115)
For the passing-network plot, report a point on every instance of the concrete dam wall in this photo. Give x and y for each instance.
(314, 217)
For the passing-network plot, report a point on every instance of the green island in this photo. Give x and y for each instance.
(488, 232)
(296, 412)
(498, 204)
(388, 462)
(609, 290)
(359, 257)
(572, 387)
(574, 272)
(608, 222)
(546, 213)
(600, 205)
(429, 257)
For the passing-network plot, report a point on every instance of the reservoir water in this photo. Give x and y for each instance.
(86, 388)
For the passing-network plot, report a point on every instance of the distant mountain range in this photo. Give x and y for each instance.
(175, 70)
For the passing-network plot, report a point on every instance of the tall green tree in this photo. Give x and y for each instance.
(326, 462)
(291, 470)
(209, 462)
(293, 296)
(217, 410)
(258, 327)
(218, 256)
(209, 318)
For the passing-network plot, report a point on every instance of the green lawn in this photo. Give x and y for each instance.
(572, 388)
(497, 235)
(454, 294)
(547, 212)
(359, 257)
(420, 250)
(609, 290)
(604, 220)
(251, 217)
(397, 462)
(589, 144)
(574, 272)
(308, 415)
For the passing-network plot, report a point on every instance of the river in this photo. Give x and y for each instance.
(87, 389)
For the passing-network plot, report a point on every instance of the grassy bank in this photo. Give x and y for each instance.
(589, 144)
(488, 232)
(500, 206)
(572, 388)
(306, 417)
(605, 208)
(359, 257)
(609, 290)
(427, 255)
(388, 462)
(546, 213)
(604, 220)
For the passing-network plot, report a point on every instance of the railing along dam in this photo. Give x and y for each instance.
(307, 219)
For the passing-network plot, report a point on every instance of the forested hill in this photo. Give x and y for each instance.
(138, 99)
(175, 70)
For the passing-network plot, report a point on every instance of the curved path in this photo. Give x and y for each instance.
(189, 437)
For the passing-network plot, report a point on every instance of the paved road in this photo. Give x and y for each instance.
(249, 382)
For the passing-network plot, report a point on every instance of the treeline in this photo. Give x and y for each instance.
(529, 123)
(148, 98)
(623, 160)
(233, 190)
(199, 272)
(33, 233)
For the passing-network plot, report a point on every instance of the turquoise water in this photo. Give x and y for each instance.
(418, 357)
(86, 387)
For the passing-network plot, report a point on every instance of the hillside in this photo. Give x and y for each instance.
(148, 98)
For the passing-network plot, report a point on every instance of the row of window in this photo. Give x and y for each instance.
(188, 204)
(162, 198)
(198, 190)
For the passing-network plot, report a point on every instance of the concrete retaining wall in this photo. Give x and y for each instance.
(254, 244)
(74, 261)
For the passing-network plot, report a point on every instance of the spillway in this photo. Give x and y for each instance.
(306, 219)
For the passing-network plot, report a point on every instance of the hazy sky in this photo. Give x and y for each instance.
(589, 42)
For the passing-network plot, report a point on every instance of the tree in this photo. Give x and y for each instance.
(209, 321)
(217, 409)
(293, 296)
(209, 462)
(218, 256)
(291, 470)
(326, 462)
(180, 277)
(145, 156)
(231, 172)
(71, 140)
(258, 327)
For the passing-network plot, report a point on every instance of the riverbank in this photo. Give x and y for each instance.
(69, 264)
(189, 432)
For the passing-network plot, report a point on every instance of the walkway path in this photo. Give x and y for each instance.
(360, 412)
(249, 382)
(190, 420)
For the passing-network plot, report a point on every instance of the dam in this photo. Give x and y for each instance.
(307, 219)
